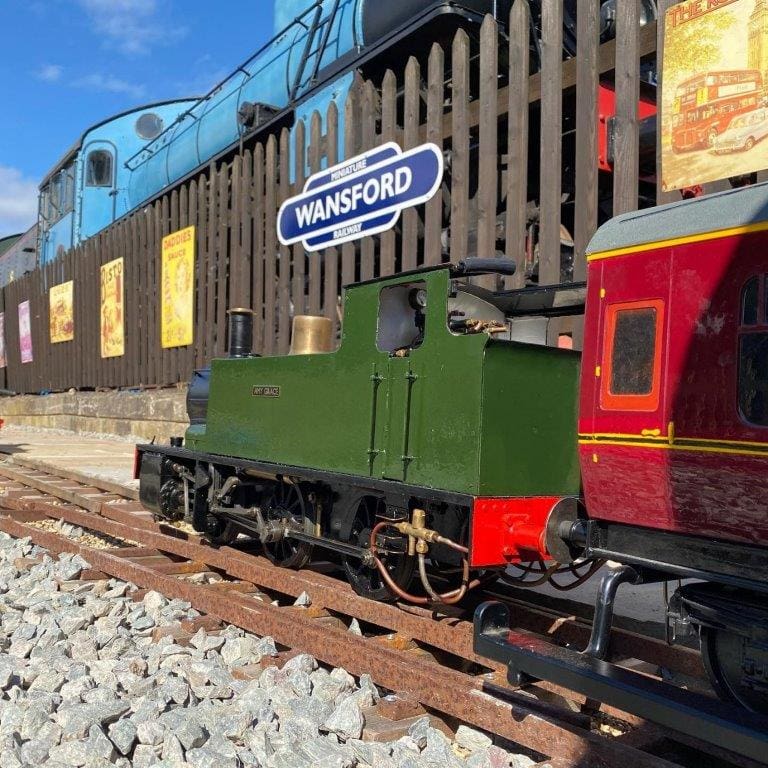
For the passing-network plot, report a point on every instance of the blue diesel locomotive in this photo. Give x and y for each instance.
(319, 46)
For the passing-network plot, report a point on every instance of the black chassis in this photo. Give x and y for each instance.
(154, 469)
(731, 598)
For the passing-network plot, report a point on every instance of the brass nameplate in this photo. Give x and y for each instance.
(266, 392)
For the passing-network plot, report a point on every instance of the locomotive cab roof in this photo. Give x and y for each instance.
(75, 148)
(533, 300)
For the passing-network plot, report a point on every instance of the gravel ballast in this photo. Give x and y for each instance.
(84, 685)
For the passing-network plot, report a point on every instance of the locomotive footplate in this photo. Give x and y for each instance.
(530, 658)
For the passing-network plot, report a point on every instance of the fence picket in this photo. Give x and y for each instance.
(460, 147)
(489, 132)
(517, 142)
(433, 240)
(331, 261)
(410, 218)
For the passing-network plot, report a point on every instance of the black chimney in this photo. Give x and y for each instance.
(240, 332)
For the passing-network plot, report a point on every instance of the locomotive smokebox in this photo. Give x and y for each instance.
(311, 335)
(240, 332)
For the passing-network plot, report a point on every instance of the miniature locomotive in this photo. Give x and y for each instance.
(413, 421)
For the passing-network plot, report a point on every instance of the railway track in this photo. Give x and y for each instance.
(425, 656)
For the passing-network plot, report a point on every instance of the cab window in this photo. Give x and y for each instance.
(753, 352)
(99, 169)
(631, 375)
(402, 317)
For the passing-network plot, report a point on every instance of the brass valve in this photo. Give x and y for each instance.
(418, 534)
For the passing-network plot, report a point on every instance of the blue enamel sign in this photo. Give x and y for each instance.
(362, 196)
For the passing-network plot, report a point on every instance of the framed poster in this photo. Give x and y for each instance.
(25, 333)
(3, 359)
(112, 309)
(714, 91)
(61, 312)
(178, 289)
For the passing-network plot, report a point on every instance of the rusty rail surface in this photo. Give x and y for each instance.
(423, 654)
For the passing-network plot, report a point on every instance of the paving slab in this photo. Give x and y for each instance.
(102, 456)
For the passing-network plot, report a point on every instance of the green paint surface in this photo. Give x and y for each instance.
(459, 413)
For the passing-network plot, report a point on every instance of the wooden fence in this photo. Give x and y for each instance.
(455, 99)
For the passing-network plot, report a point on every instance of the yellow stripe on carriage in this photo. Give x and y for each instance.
(685, 240)
(716, 446)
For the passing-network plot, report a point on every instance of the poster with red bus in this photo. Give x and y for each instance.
(714, 91)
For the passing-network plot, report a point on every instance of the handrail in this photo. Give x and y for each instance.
(150, 147)
(317, 23)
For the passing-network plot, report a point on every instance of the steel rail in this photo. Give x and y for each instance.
(340, 597)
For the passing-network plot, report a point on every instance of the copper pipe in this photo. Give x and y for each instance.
(451, 544)
(448, 598)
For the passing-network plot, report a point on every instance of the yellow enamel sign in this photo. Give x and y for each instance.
(178, 288)
(112, 309)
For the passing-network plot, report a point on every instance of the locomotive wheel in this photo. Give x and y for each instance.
(287, 501)
(367, 581)
(724, 655)
(220, 532)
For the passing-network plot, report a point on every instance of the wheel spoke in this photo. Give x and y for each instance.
(286, 503)
(365, 580)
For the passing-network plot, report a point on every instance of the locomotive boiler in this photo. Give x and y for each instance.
(317, 49)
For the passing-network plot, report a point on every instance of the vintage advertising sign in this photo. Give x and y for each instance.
(3, 358)
(61, 312)
(25, 332)
(362, 196)
(178, 288)
(112, 309)
(714, 106)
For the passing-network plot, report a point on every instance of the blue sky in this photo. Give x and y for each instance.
(66, 64)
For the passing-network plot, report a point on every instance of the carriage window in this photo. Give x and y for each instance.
(401, 318)
(749, 302)
(99, 169)
(632, 356)
(753, 353)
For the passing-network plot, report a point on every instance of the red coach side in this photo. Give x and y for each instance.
(674, 397)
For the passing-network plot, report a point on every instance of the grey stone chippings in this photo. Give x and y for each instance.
(471, 739)
(82, 685)
(123, 735)
(346, 721)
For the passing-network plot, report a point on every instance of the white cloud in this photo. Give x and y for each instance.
(109, 84)
(131, 26)
(50, 73)
(18, 201)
